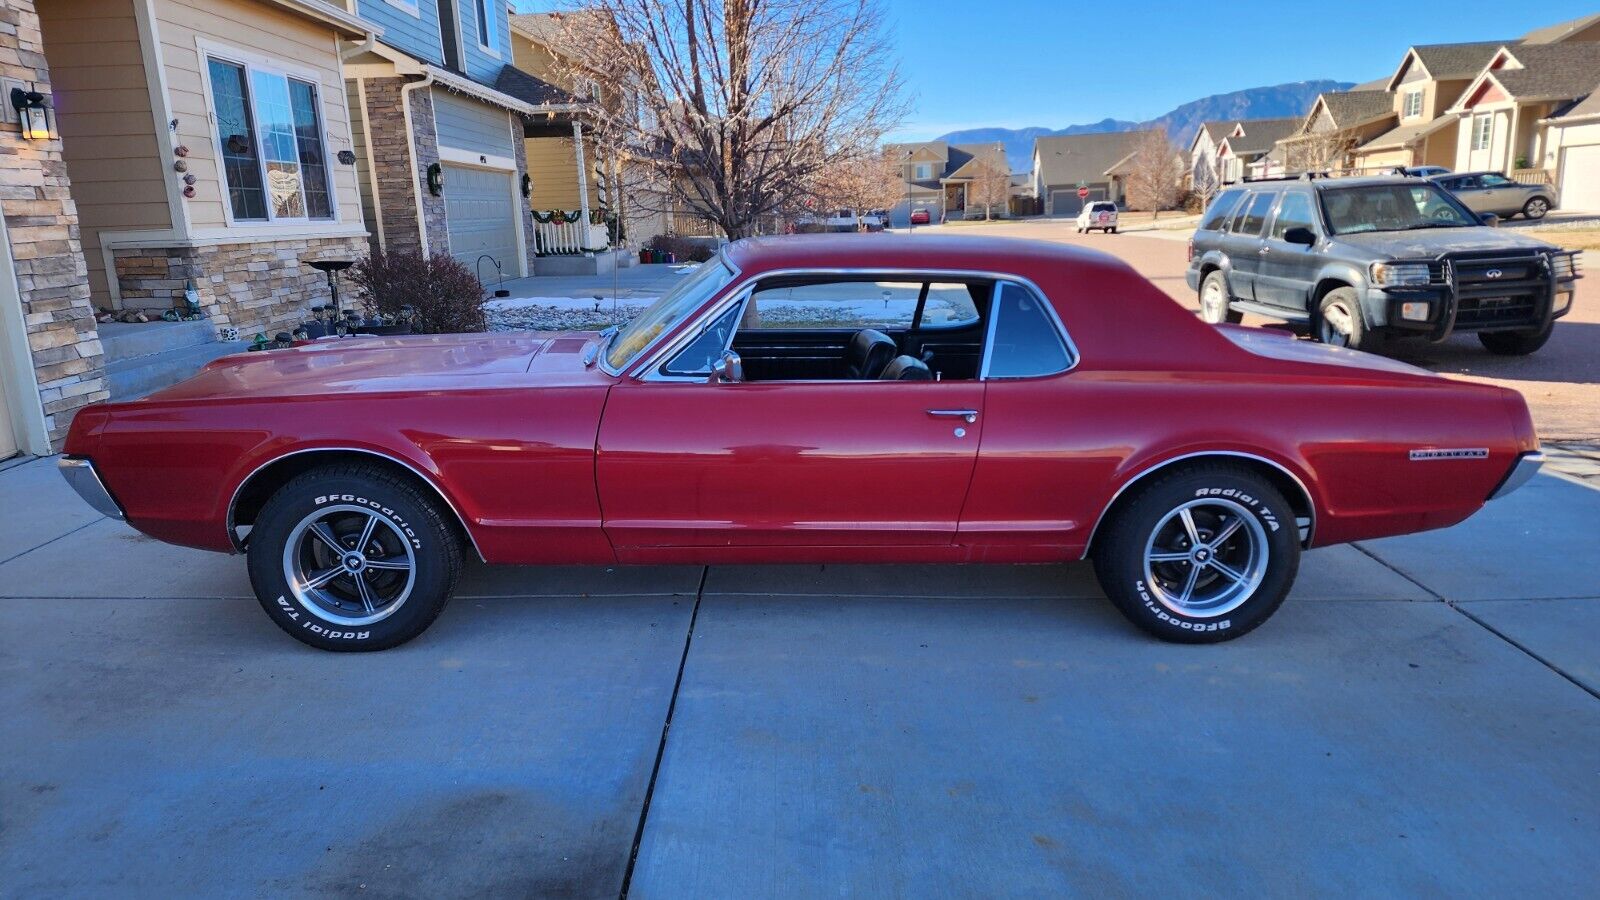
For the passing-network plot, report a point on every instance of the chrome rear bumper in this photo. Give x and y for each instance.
(1527, 465)
(86, 481)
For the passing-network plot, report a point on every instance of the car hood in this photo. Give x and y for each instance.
(1430, 242)
(378, 364)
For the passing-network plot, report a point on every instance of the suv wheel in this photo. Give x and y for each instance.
(1339, 322)
(1201, 555)
(1214, 300)
(1515, 343)
(1535, 208)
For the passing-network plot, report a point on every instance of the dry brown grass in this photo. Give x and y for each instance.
(1587, 239)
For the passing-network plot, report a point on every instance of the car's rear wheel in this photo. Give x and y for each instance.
(1535, 208)
(1515, 343)
(1214, 300)
(1202, 554)
(352, 557)
(1340, 323)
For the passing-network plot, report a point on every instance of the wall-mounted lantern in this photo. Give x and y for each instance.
(32, 114)
(527, 185)
(435, 179)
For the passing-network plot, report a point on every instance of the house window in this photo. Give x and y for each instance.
(1413, 104)
(271, 140)
(1482, 126)
(484, 9)
(924, 171)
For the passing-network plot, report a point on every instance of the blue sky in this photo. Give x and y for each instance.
(1013, 63)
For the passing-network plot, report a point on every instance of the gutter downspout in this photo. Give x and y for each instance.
(411, 141)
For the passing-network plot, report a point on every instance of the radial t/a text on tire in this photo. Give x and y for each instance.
(353, 557)
(1202, 554)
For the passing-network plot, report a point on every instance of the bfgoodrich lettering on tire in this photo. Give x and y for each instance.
(352, 557)
(1205, 553)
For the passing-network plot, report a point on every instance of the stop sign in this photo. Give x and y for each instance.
(1083, 193)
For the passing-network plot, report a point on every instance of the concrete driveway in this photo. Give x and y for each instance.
(1420, 717)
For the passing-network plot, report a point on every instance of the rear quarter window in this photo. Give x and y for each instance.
(1220, 209)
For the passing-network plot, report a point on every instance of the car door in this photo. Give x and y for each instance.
(687, 467)
(1288, 270)
(1470, 191)
(1501, 195)
(1242, 243)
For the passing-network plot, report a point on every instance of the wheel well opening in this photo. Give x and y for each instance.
(1283, 482)
(259, 487)
(1323, 288)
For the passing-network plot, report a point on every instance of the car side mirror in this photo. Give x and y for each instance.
(727, 369)
(1490, 219)
(1301, 235)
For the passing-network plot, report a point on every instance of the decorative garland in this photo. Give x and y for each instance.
(556, 215)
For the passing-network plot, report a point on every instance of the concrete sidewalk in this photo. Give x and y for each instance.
(1421, 717)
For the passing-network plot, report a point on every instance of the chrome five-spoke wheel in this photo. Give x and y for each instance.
(1206, 557)
(349, 565)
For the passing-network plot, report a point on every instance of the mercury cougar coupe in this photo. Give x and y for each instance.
(916, 399)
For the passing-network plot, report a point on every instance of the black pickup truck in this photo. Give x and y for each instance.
(1357, 260)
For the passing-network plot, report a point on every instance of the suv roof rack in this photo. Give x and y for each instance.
(1297, 176)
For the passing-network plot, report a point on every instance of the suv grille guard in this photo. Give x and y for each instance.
(1465, 276)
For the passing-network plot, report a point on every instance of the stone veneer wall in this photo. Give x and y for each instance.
(527, 207)
(260, 286)
(42, 222)
(400, 164)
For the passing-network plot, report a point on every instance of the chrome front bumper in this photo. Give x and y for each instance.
(86, 481)
(1527, 465)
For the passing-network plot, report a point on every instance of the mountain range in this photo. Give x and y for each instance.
(1274, 101)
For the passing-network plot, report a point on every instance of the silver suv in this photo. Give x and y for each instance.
(1491, 192)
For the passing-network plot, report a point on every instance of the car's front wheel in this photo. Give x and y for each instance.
(353, 557)
(1535, 208)
(1214, 300)
(1515, 343)
(1200, 555)
(1340, 323)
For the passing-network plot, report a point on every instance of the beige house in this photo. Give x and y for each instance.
(1505, 111)
(162, 107)
(1573, 150)
(570, 172)
(1093, 163)
(1428, 81)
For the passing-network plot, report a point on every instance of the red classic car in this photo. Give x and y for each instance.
(915, 399)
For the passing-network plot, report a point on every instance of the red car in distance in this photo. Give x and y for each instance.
(920, 217)
(809, 399)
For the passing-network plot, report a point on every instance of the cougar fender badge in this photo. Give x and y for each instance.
(1451, 453)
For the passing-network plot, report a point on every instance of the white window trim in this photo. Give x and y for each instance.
(410, 9)
(257, 62)
(1406, 110)
(488, 43)
(1487, 133)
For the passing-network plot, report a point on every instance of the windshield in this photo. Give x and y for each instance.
(666, 313)
(1392, 207)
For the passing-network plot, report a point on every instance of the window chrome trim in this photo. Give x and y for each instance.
(1311, 503)
(656, 354)
(233, 501)
(652, 349)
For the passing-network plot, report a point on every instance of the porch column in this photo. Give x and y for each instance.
(583, 182)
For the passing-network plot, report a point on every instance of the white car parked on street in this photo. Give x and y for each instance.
(1101, 214)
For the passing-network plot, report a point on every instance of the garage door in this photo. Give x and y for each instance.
(1065, 203)
(1580, 178)
(481, 218)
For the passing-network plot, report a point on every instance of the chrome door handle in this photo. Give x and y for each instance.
(1264, 250)
(970, 415)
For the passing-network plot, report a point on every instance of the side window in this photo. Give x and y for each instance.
(1255, 215)
(1494, 181)
(949, 305)
(1466, 183)
(854, 305)
(1220, 209)
(1294, 212)
(696, 359)
(1025, 341)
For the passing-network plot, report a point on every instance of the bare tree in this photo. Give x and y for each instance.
(863, 183)
(990, 188)
(1319, 150)
(1155, 173)
(736, 106)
